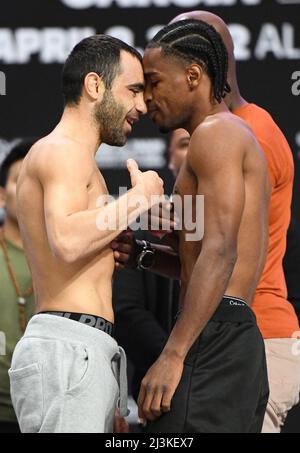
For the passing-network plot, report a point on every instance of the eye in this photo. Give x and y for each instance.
(134, 92)
(184, 145)
(154, 83)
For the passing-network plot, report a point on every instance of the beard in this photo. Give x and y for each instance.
(110, 117)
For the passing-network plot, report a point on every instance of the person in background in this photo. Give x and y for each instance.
(178, 148)
(145, 306)
(16, 295)
(291, 265)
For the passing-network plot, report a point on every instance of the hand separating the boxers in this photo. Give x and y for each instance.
(125, 246)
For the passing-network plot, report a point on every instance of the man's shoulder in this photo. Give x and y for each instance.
(222, 124)
(56, 146)
(219, 132)
(270, 137)
(260, 120)
(55, 154)
(255, 111)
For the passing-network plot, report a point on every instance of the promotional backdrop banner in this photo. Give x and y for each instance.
(37, 35)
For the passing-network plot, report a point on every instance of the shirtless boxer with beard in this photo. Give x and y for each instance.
(67, 371)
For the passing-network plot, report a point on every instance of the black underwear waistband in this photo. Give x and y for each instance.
(234, 301)
(232, 309)
(89, 320)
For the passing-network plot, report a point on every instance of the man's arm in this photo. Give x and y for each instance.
(166, 262)
(73, 229)
(126, 250)
(215, 157)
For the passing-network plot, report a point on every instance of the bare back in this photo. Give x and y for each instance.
(59, 180)
(227, 166)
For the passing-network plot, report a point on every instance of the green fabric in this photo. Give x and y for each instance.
(9, 319)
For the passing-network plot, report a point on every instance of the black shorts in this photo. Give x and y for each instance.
(224, 386)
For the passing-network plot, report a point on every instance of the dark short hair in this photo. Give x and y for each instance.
(98, 53)
(18, 152)
(195, 41)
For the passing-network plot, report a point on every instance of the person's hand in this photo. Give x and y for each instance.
(125, 250)
(158, 387)
(161, 218)
(172, 240)
(120, 424)
(150, 183)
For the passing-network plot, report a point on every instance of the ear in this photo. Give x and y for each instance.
(194, 75)
(94, 86)
(2, 197)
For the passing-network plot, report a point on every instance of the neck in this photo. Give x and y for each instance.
(12, 232)
(234, 99)
(206, 109)
(77, 125)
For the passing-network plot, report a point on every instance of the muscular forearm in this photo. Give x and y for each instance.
(206, 288)
(88, 232)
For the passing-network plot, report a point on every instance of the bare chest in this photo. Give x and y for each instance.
(96, 190)
(186, 182)
(190, 210)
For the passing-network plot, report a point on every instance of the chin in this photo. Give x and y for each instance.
(115, 140)
(121, 143)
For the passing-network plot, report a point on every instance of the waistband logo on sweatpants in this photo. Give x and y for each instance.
(98, 323)
(90, 320)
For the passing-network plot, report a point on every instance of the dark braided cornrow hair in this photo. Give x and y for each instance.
(195, 41)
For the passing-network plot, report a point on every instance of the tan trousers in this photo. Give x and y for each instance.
(283, 363)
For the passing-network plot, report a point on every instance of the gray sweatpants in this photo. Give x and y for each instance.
(66, 377)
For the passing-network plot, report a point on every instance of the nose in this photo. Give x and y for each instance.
(171, 162)
(141, 106)
(148, 94)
